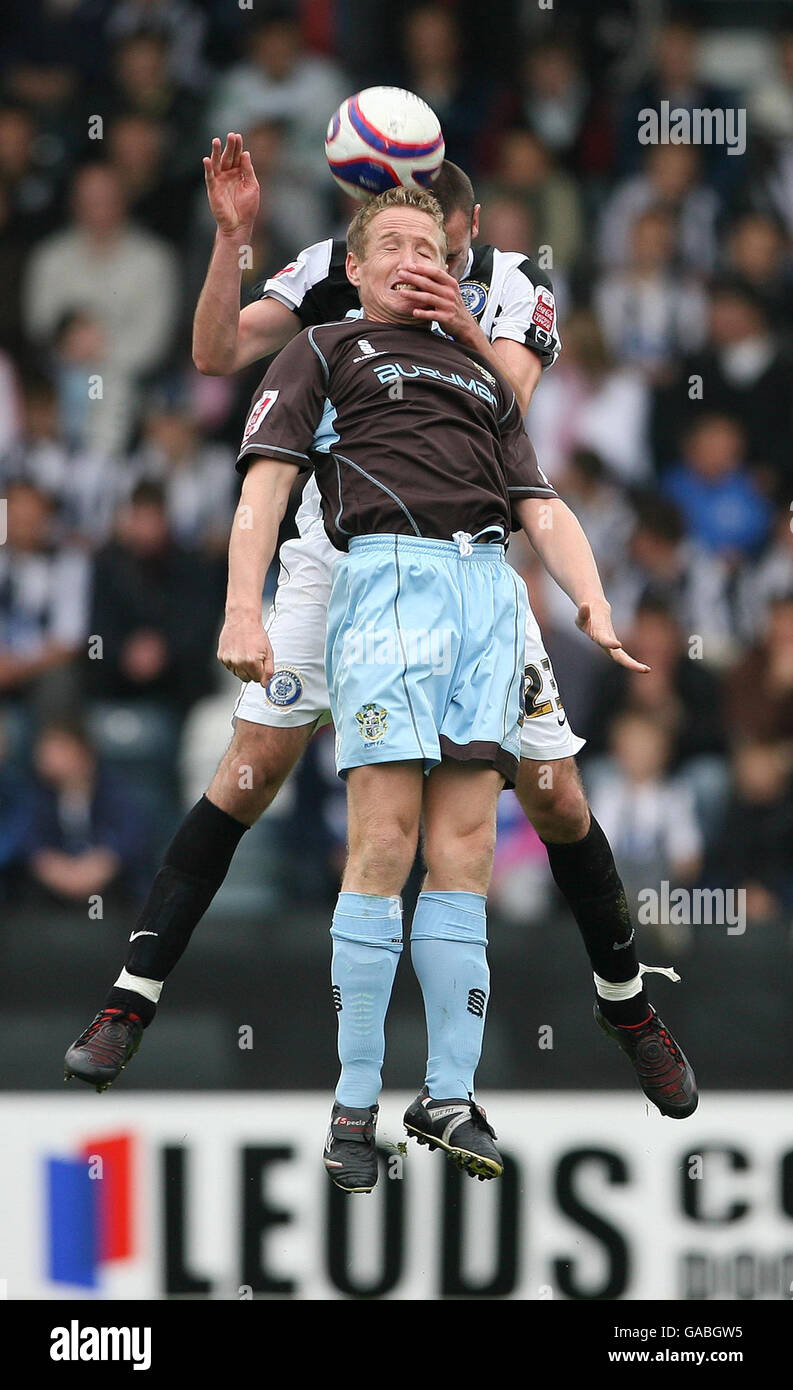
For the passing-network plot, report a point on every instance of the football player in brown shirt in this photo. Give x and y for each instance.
(198, 859)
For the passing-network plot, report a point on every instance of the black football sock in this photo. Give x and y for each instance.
(195, 865)
(587, 877)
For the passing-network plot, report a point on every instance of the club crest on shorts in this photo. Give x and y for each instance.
(284, 687)
(474, 296)
(372, 723)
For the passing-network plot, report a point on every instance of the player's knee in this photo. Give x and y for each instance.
(461, 856)
(382, 857)
(554, 801)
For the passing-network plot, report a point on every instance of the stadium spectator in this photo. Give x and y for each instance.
(10, 415)
(82, 485)
(156, 197)
(435, 68)
(674, 77)
(95, 406)
(679, 692)
(182, 23)
(754, 851)
(198, 478)
(16, 805)
(45, 80)
(672, 179)
(97, 266)
(43, 605)
(278, 80)
(648, 815)
(524, 170)
(156, 608)
(507, 221)
(759, 254)
(771, 100)
(85, 834)
(771, 577)
(580, 401)
(143, 82)
(29, 185)
(556, 99)
(664, 565)
(14, 251)
(724, 509)
(748, 377)
(650, 312)
(759, 688)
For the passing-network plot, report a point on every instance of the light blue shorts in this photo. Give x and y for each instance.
(424, 654)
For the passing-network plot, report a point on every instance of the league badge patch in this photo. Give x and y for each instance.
(265, 402)
(544, 310)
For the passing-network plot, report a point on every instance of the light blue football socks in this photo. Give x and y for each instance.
(367, 943)
(448, 948)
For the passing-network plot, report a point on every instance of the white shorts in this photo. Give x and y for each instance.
(298, 693)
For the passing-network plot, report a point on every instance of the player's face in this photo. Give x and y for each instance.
(395, 238)
(459, 232)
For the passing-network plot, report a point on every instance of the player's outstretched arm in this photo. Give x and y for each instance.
(225, 339)
(557, 536)
(244, 647)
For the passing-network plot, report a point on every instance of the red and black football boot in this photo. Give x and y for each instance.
(662, 1070)
(101, 1053)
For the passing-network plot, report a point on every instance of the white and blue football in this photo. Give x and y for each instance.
(382, 138)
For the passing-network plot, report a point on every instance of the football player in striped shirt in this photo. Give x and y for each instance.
(500, 305)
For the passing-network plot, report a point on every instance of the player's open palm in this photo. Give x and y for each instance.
(595, 620)
(232, 187)
(244, 649)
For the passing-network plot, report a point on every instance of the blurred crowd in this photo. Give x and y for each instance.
(667, 423)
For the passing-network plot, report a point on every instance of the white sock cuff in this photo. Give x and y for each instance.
(628, 989)
(150, 989)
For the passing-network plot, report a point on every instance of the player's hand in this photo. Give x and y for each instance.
(595, 620)
(232, 187)
(244, 649)
(437, 296)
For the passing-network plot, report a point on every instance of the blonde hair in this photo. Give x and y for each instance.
(416, 198)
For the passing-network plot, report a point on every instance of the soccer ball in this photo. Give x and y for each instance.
(382, 138)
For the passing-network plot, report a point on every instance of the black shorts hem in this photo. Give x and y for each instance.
(483, 751)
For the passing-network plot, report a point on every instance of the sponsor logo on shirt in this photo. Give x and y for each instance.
(265, 402)
(392, 371)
